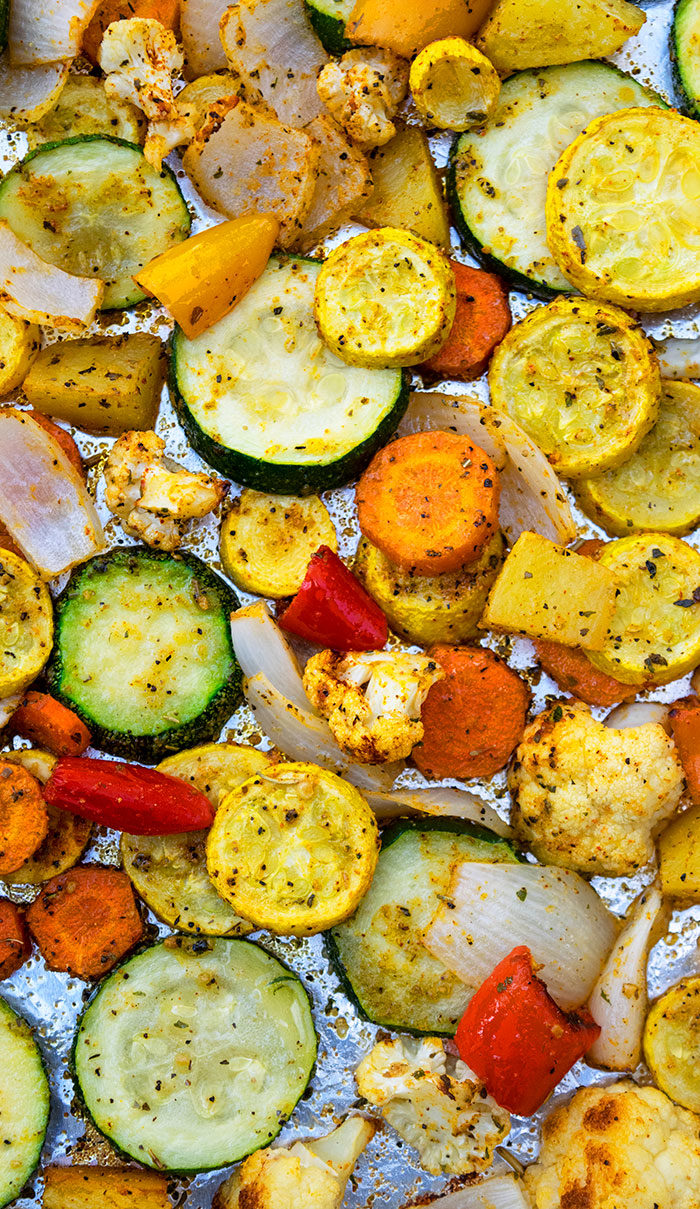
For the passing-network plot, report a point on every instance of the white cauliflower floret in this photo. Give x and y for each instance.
(617, 1147)
(589, 797)
(152, 501)
(311, 1174)
(362, 91)
(435, 1103)
(372, 700)
(141, 58)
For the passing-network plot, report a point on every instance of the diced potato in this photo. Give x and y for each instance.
(104, 1188)
(537, 33)
(196, 98)
(243, 161)
(406, 26)
(679, 857)
(343, 183)
(545, 591)
(101, 384)
(407, 189)
(84, 108)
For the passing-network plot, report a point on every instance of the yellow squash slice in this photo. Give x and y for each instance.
(654, 634)
(672, 1043)
(26, 624)
(267, 541)
(658, 488)
(583, 382)
(19, 345)
(623, 210)
(293, 849)
(385, 298)
(85, 108)
(454, 86)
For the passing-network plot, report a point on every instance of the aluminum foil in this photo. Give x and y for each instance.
(388, 1175)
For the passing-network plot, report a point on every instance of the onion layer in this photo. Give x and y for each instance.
(500, 1192)
(679, 358)
(47, 32)
(442, 801)
(33, 289)
(532, 498)
(28, 93)
(261, 646)
(637, 713)
(429, 410)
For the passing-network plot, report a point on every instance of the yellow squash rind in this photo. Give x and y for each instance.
(672, 1043)
(26, 624)
(454, 86)
(267, 540)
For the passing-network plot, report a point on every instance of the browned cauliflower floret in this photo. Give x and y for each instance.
(435, 1103)
(372, 700)
(362, 91)
(589, 797)
(618, 1147)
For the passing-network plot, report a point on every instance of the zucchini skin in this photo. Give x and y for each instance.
(330, 31)
(6, 1009)
(4, 23)
(151, 749)
(688, 105)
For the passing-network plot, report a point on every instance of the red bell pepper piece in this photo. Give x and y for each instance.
(685, 728)
(517, 1039)
(127, 797)
(332, 608)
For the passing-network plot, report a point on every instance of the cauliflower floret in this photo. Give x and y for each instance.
(435, 1103)
(311, 1174)
(362, 91)
(152, 501)
(372, 700)
(618, 1147)
(588, 797)
(141, 58)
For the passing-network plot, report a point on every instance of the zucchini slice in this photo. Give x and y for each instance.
(170, 871)
(142, 699)
(95, 207)
(623, 210)
(654, 635)
(26, 624)
(658, 488)
(266, 403)
(84, 108)
(497, 176)
(267, 541)
(329, 19)
(379, 953)
(672, 1043)
(685, 53)
(293, 849)
(581, 379)
(195, 1052)
(24, 1103)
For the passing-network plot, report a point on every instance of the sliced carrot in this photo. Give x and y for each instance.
(429, 501)
(15, 945)
(575, 674)
(50, 725)
(165, 11)
(62, 438)
(685, 726)
(481, 321)
(85, 920)
(474, 718)
(24, 820)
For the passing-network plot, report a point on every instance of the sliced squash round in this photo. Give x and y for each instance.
(384, 299)
(454, 86)
(654, 634)
(623, 210)
(19, 345)
(26, 624)
(672, 1043)
(85, 108)
(583, 382)
(293, 849)
(658, 488)
(267, 540)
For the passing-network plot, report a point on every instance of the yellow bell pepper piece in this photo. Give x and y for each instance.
(201, 280)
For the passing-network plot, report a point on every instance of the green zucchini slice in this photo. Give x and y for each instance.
(144, 699)
(194, 1053)
(329, 19)
(685, 53)
(497, 180)
(95, 207)
(24, 1103)
(265, 402)
(379, 952)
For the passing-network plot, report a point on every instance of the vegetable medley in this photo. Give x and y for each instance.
(456, 740)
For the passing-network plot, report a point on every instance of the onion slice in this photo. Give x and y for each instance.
(500, 1192)
(619, 1000)
(44, 502)
(303, 736)
(261, 646)
(45, 33)
(493, 908)
(429, 410)
(33, 289)
(679, 358)
(638, 713)
(199, 29)
(28, 93)
(532, 498)
(441, 801)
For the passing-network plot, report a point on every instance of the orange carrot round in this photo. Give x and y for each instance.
(50, 725)
(85, 920)
(481, 321)
(62, 438)
(15, 945)
(24, 820)
(575, 674)
(474, 718)
(429, 501)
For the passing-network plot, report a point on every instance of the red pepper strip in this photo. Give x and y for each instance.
(127, 797)
(685, 728)
(332, 608)
(517, 1039)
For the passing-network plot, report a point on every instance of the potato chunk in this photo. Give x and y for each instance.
(679, 858)
(104, 1188)
(409, 26)
(407, 190)
(537, 33)
(342, 185)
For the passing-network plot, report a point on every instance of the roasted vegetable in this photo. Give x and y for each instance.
(103, 1188)
(406, 26)
(25, 1090)
(85, 108)
(268, 540)
(19, 345)
(482, 319)
(26, 624)
(332, 609)
(454, 86)
(533, 33)
(85, 921)
(343, 182)
(107, 11)
(684, 719)
(679, 857)
(672, 1043)
(407, 189)
(15, 945)
(196, 98)
(363, 91)
(45, 721)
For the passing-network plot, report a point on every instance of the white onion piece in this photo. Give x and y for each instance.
(553, 911)
(47, 32)
(637, 713)
(532, 498)
(28, 93)
(261, 646)
(303, 736)
(428, 411)
(33, 289)
(619, 1000)
(44, 502)
(500, 1192)
(442, 801)
(679, 358)
(9, 704)
(199, 30)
